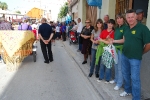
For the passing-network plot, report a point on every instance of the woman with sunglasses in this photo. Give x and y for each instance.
(86, 42)
(94, 37)
(106, 37)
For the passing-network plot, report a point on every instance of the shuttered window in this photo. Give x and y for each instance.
(123, 5)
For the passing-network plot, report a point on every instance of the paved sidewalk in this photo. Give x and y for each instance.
(103, 89)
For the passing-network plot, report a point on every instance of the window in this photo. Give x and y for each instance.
(123, 5)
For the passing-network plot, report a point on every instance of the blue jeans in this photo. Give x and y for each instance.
(131, 75)
(80, 45)
(104, 71)
(118, 71)
(93, 54)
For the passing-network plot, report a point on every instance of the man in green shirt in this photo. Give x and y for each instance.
(136, 43)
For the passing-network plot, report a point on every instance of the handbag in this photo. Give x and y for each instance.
(109, 56)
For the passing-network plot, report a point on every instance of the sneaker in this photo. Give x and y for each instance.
(116, 88)
(107, 82)
(99, 80)
(97, 75)
(123, 94)
(112, 82)
(90, 75)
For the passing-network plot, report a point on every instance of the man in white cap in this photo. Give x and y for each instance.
(140, 16)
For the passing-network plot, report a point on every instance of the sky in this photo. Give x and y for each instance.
(26, 5)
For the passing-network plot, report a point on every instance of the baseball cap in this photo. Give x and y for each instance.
(139, 11)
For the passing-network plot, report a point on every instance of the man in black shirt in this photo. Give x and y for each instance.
(45, 35)
(53, 29)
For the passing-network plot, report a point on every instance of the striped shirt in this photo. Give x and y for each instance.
(5, 26)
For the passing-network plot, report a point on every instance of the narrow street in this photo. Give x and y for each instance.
(62, 79)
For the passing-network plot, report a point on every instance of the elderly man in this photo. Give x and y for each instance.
(137, 43)
(140, 16)
(45, 35)
(80, 26)
(4, 26)
(106, 19)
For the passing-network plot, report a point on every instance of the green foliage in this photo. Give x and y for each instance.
(18, 12)
(63, 11)
(3, 5)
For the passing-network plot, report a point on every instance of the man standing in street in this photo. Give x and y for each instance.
(63, 31)
(140, 16)
(80, 26)
(45, 35)
(137, 43)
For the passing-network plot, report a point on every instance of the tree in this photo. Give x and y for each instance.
(3, 5)
(18, 12)
(63, 11)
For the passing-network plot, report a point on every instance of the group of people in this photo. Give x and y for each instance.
(127, 33)
(131, 40)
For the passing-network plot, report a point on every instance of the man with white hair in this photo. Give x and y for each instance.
(45, 34)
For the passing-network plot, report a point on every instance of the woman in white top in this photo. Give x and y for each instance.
(57, 32)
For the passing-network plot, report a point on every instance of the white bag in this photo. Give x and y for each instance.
(112, 50)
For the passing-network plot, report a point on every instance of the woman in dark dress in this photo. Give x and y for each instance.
(86, 42)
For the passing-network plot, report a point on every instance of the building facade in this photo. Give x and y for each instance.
(113, 7)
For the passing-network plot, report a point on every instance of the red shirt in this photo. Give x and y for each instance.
(105, 33)
(34, 31)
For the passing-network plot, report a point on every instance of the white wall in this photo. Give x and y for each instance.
(108, 7)
(75, 10)
(82, 10)
(98, 13)
(148, 17)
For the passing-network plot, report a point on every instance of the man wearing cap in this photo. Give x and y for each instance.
(140, 16)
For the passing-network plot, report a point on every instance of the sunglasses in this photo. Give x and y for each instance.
(87, 22)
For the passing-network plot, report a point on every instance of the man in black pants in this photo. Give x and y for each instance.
(45, 35)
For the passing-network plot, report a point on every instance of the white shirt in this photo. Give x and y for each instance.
(80, 26)
(57, 29)
(66, 29)
(34, 26)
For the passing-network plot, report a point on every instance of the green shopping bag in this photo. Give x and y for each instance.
(107, 58)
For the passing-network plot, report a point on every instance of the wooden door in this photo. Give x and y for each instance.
(123, 5)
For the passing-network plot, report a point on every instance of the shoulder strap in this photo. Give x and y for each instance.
(111, 32)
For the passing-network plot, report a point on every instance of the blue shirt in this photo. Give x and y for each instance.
(64, 28)
(45, 30)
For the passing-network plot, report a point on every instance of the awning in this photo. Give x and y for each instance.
(97, 3)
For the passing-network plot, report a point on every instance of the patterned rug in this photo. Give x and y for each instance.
(15, 46)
